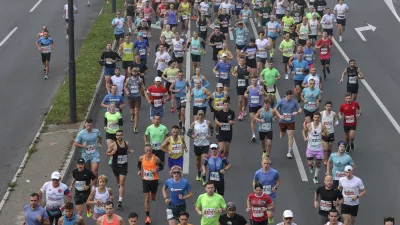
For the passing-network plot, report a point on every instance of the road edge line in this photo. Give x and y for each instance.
(186, 155)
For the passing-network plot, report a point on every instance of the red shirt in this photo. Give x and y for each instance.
(325, 50)
(162, 8)
(156, 94)
(256, 203)
(349, 111)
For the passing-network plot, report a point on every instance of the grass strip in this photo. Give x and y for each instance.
(87, 69)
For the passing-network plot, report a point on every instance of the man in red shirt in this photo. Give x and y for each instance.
(155, 96)
(350, 110)
(325, 44)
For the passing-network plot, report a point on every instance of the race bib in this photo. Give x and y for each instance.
(308, 57)
(218, 45)
(198, 101)
(176, 148)
(195, 49)
(148, 175)
(324, 51)
(147, 16)
(142, 51)
(349, 119)
(185, 17)
(352, 80)
(209, 213)
(266, 126)
(158, 102)
(112, 125)
(46, 49)
(178, 54)
(325, 205)
(183, 100)
(320, 8)
(339, 175)
(219, 105)
(349, 193)
(257, 212)
(296, 19)
(225, 24)
(315, 140)
(122, 159)
(134, 89)
(255, 99)
(223, 75)
(267, 189)
(80, 185)
(341, 13)
(127, 50)
(226, 127)
(241, 82)
(287, 116)
(214, 176)
(262, 54)
(203, 28)
(265, 15)
(271, 88)
(286, 26)
(311, 105)
(90, 149)
(155, 145)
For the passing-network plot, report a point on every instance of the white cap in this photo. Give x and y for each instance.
(157, 79)
(213, 146)
(224, 55)
(348, 168)
(220, 85)
(56, 175)
(287, 214)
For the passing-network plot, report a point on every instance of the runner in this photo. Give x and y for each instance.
(241, 31)
(168, 76)
(274, 28)
(113, 98)
(133, 218)
(313, 76)
(299, 69)
(303, 30)
(353, 75)
(281, 7)
(263, 46)
(184, 10)
(238, 6)
(226, 51)
(331, 120)
(287, 47)
(174, 146)
(223, 20)
(178, 190)
(250, 52)
(210, 205)
(325, 44)
(177, 49)
(269, 179)
(287, 218)
(312, 134)
(338, 161)
(99, 196)
(133, 87)
(311, 97)
(162, 59)
(180, 87)
(200, 95)
(257, 4)
(254, 94)
(269, 77)
(45, 44)
(172, 17)
(326, 198)
(216, 40)
(340, 10)
(148, 13)
(231, 217)
(198, 77)
(334, 216)
(287, 21)
(245, 14)
(144, 28)
(350, 110)
(65, 15)
(205, 7)
(69, 216)
(141, 68)
(320, 6)
(142, 48)
(201, 131)
(264, 13)
(83, 180)
(315, 28)
(225, 119)
(203, 23)
(55, 191)
(196, 49)
(309, 52)
(265, 117)
(126, 49)
(242, 72)
(352, 189)
(216, 5)
(155, 96)
(148, 166)
(110, 217)
(118, 24)
(223, 72)
(34, 213)
(130, 13)
(327, 22)
(118, 80)
(112, 123)
(258, 204)
(216, 165)
(108, 60)
(287, 109)
(119, 151)
(162, 13)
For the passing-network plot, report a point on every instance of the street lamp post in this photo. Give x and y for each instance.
(114, 6)
(71, 63)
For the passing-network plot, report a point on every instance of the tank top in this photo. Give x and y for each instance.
(185, 9)
(309, 55)
(112, 122)
(181, 86)
(147, 166)
(147, 13)
(114, 222)
(218, 101)
(172, 17)
(72, 221)
(127, 53)
(203, 24)
(195, 78)
(303, 31)
(134, 86)
(352, 76)
(102, 197)
(195, 46)
(240, 36)
(199, 98)
(254, 96)
(314, 26)
(267, 117)
(327, 120)
(120, 158)
(242, 81)
(314, 138)
(175, 148)
(201, 131)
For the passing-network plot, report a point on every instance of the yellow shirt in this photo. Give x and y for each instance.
(185, 8)
(222, 52)
(175, 148)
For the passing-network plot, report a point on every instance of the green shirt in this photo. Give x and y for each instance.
(287, 21)
(112, 122)
(209, 208)
(156, 135)
(309, 16)
(269, 76)
(265, 13)
(287, 47)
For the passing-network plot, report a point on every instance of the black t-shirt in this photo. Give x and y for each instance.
(326, 199)
(110, 55)
(82, 178)
(224, 118)
(224, 20)
(217, 39)
(235, 220)
(142, 67)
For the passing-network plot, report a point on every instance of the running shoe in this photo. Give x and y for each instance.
(119, 204)
(135, 130)
(46, 77)
(89, 213)
(315, 180)
(148, 220)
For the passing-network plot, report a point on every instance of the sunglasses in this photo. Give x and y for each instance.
(289, 218)
(214, 148)
(54, 180)
(176, 172)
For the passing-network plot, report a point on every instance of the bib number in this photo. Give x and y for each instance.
(214, 176)
(226, 127)
(267, 189)
(324, 51)
(325, 205)
(255, 99)
(122, 159)
(203, 28)
(148, 175)
(209, 213)
(266, 126)
(287, 117)
(223, 75)
(350, 119)
(80, 185)
(178, 54)
(270, 89)
(112, 126)
(157, 102)
(185, 17)
(134, 89)
(142, 51)
(257, 212)
(339, 175)
(198, 101)
(90, 149)
(352, 80)
(241, 82)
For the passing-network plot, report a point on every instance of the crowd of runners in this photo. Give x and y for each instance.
(302, 31)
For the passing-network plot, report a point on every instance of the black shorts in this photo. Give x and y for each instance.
(160, 154)
(309, 114)
(240, 47)
(201, 150)
(111, 136)
(352, 89)
(279, 16)
(302, 42)
(167, 86)
(81, 197)
(341, 22)
(159, 73)
(126, 64)
(350, 209)
(252, 63)
(196, 109)
(150, 186)
(196, 58)
(215, 53)
(175, 210)
(219, 187)
(225, 137)
(130, 11)
(119, 36)
(224, 30)
(240, 90)
(252, 222)
(46, 57)
(262, 60)
(315, 37)
(172, 25)
(285, 59)
(254, 109)
(329, 31)
(263, 135)
(347, 129)
(120, 170)
(177, 59)
(325, 62)
(329, 138)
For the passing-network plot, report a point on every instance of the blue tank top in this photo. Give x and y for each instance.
(203, 83)
(309, 55)
(199, 98)
(254, 96)
(180, 85)
(240, 36)
(267, 117)
(171, 17)
(238, 5)
(72, 221)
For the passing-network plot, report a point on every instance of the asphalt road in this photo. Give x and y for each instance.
(375, 156)
(22, 71)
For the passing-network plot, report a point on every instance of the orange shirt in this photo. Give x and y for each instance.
(149, 165)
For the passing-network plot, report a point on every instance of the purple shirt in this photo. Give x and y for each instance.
(31, 215)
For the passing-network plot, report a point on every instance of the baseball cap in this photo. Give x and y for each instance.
(213, 146)
(157, 79)
(56, 175)
(81, 161)
(348, 168)
(140, 34)
(144, 20)
(341, 143)
(287, 214)
(224, 55)
(220, 85)
(231, 205)
(200, 112)
(216, 27)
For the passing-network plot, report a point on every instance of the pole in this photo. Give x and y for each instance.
(71, 63)
(114, 6)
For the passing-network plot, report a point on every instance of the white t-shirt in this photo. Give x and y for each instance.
(262, 48)
(66, 10)
(119, 82)
(351, 188)
(162, 65)
(226, 6)
(55, 196)
(341, 11)
(204, 7)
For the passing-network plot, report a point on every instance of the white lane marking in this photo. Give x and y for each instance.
(296, 152)
(390, 4)
(231, 35)
(359, 30)
(36, 5)
(101, 11)
(8, 36)
(372, 92)
(186, 155)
